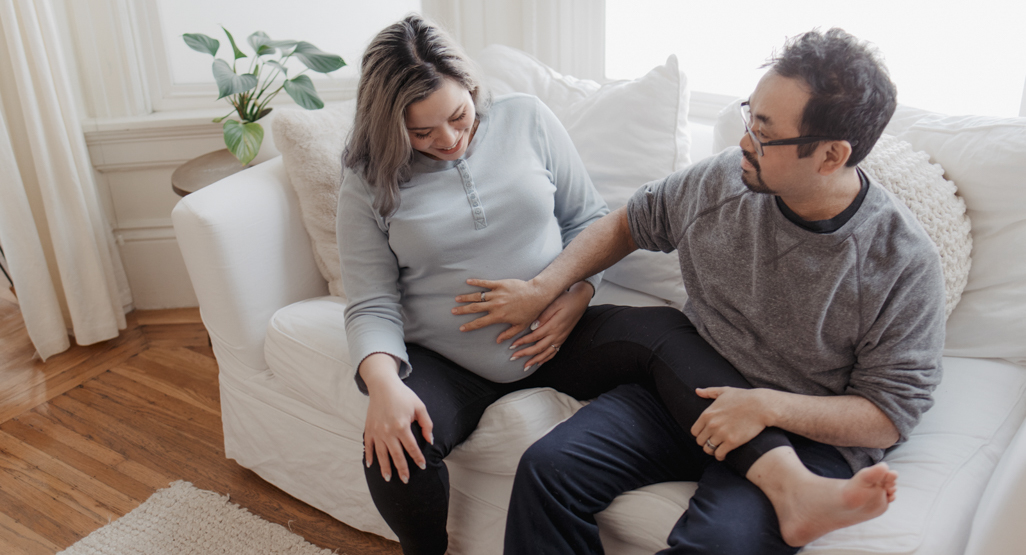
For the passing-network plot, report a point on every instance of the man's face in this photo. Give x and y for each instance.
(776, 111)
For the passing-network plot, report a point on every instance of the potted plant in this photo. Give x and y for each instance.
(250, 93)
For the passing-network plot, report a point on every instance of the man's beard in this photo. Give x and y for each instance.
(755, 184)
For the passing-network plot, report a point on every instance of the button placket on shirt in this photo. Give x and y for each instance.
(476, 208)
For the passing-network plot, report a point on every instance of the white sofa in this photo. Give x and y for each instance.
(293, 415)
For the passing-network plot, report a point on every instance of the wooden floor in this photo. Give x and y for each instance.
(93, 432)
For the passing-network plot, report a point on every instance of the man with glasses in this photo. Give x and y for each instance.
(818, 286)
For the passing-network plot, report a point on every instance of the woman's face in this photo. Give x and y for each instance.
(440, 126)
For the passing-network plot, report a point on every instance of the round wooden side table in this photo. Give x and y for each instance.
(204, 170)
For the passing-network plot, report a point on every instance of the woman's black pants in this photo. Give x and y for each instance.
(656, 347)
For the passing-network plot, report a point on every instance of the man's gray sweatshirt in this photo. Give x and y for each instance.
(859, 311)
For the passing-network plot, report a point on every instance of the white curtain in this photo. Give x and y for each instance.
(55, 169)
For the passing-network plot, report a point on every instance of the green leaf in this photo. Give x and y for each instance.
(283, 44)
(313, 58)
(228, 83)
(284, 70)
(301, 89)
(243, 139)
(238, 53)
(261, 43)
(201, 43)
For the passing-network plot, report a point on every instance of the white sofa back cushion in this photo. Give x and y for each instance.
(627, 133)
(986, 158)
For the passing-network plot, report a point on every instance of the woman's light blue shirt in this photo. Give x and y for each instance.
(506, 209)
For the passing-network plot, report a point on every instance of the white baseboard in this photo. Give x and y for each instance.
(156, 270)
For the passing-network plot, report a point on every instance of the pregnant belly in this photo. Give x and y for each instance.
(430, 323)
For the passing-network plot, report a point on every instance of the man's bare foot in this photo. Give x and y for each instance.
(827, 504)
(809, 506)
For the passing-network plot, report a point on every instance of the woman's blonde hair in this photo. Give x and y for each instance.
(404, 64)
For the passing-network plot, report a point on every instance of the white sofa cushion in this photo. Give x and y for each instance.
(627, 133)
(608, 123)
(311, 144)
(984, 157)
(306, 349)
(944, 467)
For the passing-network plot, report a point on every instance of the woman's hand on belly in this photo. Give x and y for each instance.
(554, 325)
(508, 301)
(393, 408)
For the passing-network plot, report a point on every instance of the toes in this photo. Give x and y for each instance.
(878, 475)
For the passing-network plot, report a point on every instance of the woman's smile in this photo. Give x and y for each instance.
(440, 125)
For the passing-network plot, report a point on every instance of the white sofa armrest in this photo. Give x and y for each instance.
(248, 255)
(998, 527)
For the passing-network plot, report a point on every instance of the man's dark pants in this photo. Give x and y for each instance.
(622, 441)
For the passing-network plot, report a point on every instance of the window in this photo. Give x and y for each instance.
(945, 56)
(183, 76)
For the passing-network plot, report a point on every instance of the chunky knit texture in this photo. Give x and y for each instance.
(911, 177)
(187, 521)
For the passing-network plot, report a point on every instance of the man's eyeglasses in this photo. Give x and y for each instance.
(746, 117)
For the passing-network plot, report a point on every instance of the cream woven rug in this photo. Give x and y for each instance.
(188, 521)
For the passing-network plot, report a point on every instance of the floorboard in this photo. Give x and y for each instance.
(91, 433)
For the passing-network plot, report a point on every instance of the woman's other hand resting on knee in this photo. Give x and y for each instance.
(393, 408)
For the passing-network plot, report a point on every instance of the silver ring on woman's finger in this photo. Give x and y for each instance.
(710, 445)
(482, 296)
(556, 347)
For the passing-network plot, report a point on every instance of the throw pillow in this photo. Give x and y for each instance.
(627, 133)
(921, 186)
(729, 128)
(986, 156)
(311, 143)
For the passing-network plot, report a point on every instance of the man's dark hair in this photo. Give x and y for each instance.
(851, 93)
